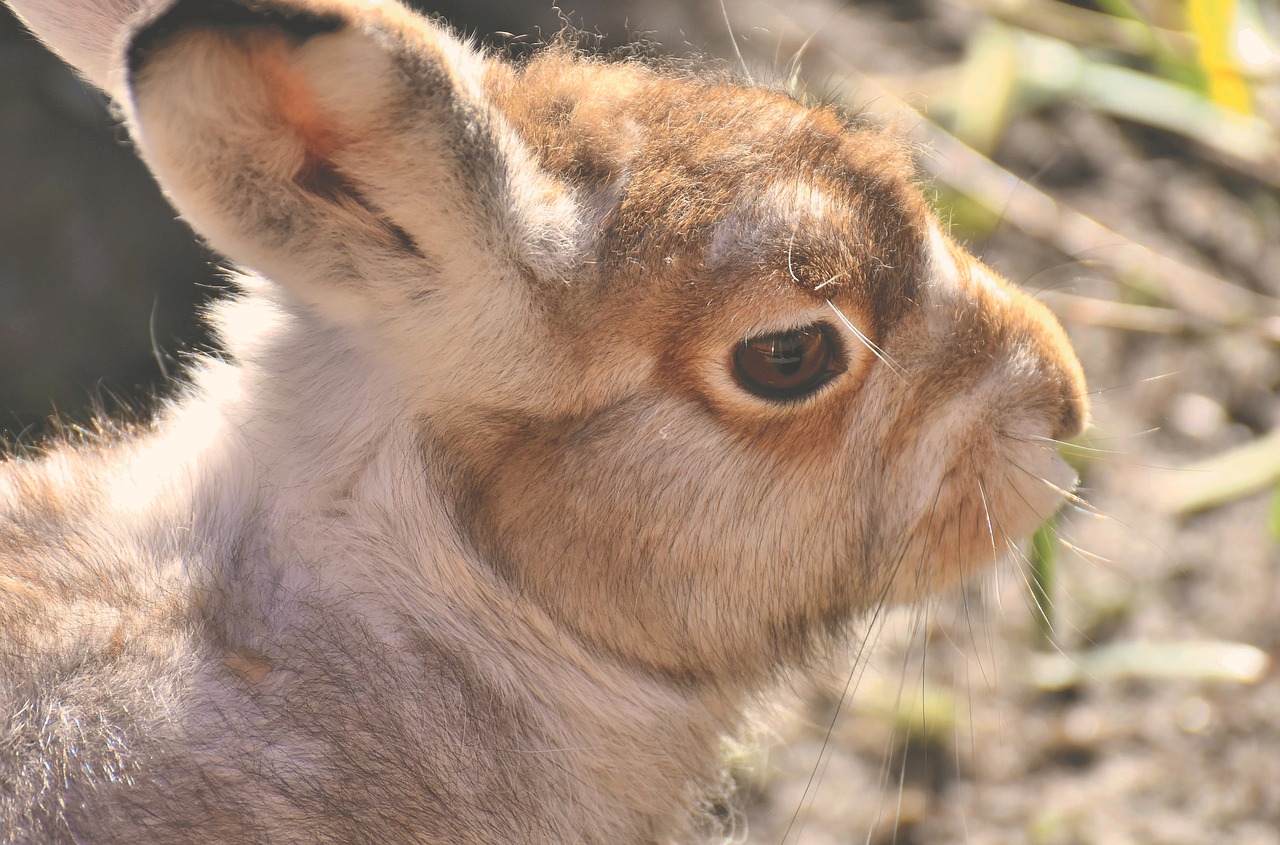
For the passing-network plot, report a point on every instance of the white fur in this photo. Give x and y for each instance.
(478, 535)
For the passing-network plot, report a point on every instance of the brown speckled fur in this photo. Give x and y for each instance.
(477, 534)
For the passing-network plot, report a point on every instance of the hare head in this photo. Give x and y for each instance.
(705, 373)
(685, 367)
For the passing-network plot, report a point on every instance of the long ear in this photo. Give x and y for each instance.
(88, 34)
(348, 150)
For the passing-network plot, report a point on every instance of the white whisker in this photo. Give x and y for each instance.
(831, 280)
(1084, 553)
(866, 341)
(733, 39)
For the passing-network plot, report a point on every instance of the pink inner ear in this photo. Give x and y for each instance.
(293, 100)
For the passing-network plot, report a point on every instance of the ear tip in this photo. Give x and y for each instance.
(84, 33)
(226, 14)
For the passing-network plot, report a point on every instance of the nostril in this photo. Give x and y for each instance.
(1074, 415)
(224, 14)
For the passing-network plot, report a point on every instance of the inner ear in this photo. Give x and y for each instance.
(187, 15)
(293, 103)
(269, 40)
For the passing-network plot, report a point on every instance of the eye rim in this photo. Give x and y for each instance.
(832, 363)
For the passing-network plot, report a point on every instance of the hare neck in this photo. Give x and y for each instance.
(305, 471)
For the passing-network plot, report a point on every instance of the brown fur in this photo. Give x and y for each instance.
(480, 536)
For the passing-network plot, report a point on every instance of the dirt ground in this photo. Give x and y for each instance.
(1149, 716)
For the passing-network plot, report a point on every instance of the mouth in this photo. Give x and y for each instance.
(980, 511)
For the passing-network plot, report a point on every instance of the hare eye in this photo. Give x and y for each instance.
(787, 365)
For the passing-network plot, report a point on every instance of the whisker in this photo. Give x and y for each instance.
(986, 510)
(1065, 444)
(986, 513)
(902, 787)
(831, 280)
(1084, 553)
(1043, 603)
(733, 39)
(1025, 563)
(866, 341)
(1068, 495)
(1099, 391)
(1121, 457)
(888, 758)
(856, 674)
(1035, 607)
(1099, 438)
(791, 244)
(792, 75)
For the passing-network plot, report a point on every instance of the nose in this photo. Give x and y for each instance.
(1040, 376)
(1075, 413)
(1060, 369)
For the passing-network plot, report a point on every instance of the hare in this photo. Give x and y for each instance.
(564, 407)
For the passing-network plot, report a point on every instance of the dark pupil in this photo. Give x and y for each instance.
(787, 364)
(787, 354)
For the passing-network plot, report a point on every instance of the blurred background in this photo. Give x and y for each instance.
(1118, 158)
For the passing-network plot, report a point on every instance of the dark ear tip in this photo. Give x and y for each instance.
(225, 14)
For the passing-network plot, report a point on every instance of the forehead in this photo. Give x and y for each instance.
(705, 177)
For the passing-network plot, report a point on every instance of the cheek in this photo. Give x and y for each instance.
(662, 536)
(613, 500)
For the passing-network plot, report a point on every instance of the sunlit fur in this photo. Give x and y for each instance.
(474, 535)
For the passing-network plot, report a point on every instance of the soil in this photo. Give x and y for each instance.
(99, 286)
